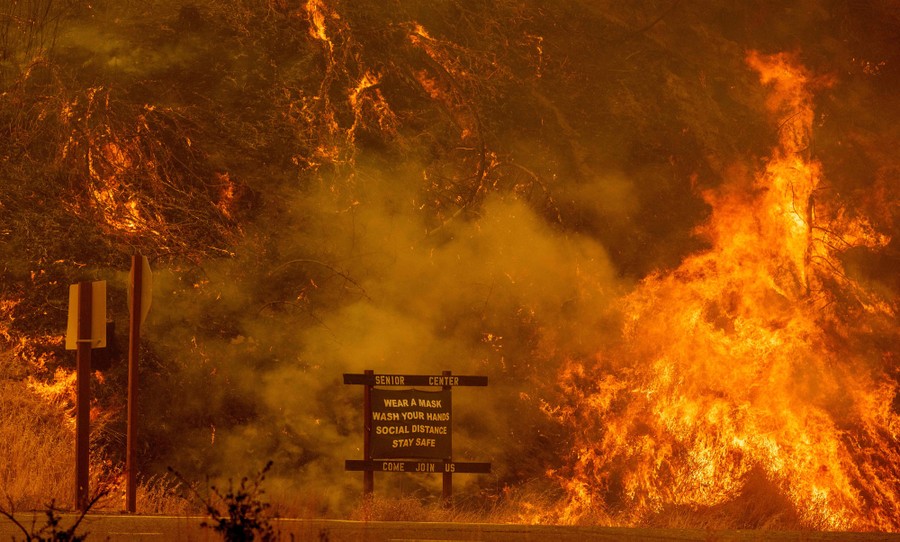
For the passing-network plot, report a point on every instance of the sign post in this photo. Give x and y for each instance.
(139, 302)
(83, 396)
(447, 483)
(368, 476)
(410, 430)
(86, 330)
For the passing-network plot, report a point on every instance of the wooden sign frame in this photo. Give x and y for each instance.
(414, 431)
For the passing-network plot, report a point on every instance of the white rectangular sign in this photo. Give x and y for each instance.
(98, 316)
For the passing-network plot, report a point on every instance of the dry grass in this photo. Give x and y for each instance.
(37, 447)
(760, 507)
(378, 508)
(161, 495)
(37, 451)
(526, 504)
(289, 501)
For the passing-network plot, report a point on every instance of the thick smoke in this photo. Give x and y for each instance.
(486, 296)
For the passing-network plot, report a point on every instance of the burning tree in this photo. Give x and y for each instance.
(756, 358)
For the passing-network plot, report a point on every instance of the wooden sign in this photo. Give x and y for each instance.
(410, 430)
(410, 424)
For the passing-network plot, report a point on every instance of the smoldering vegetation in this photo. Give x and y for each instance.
(331, 186)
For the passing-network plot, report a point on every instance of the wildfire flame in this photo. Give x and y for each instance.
(109, 161)
(737, 365)
(318, 13)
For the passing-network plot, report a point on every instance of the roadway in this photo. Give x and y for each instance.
(122, 527)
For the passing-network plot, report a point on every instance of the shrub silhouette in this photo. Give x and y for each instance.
(52, 530)
(238, 514)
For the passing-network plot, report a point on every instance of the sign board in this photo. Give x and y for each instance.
(409, 430)
(98, 316)
(146, 288)
(411, 424)
(414, 380)
(450, 467)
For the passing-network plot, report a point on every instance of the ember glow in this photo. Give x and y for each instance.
(733, 366)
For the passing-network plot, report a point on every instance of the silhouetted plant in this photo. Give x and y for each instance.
(52, 530)
(238, 514)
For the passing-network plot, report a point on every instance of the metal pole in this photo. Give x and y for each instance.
(83, 396)
(134, 342)
(368, 476)
(447, 493)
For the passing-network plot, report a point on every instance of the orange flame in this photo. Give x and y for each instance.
(317, 12)
(734, 370)
(109, 161)
(440, 80)
(7, 308)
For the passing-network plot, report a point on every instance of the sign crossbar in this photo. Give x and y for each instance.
(393, 465)
(414, 380)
